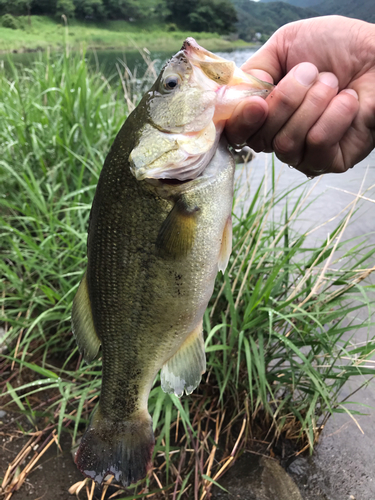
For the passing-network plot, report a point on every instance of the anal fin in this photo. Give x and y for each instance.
(183, 371)
(226, 246)
(83, 323)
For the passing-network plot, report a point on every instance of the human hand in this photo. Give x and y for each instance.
(321, 116)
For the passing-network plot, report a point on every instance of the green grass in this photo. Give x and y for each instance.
(279, 329)
(44, 32)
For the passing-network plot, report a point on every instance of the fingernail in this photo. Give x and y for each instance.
(305, 73)
(253, 115)
(329, 79)
(351, 92)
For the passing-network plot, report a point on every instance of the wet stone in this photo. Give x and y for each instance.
(243, 154)
(257, 478)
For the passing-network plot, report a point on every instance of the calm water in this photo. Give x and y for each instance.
(342, 468)
(107, 60)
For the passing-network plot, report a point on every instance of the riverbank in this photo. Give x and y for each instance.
(43, 32)
(275, 374)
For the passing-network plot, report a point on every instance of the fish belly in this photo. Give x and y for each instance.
(147, 305)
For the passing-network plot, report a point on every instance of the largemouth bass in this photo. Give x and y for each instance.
(160, 229)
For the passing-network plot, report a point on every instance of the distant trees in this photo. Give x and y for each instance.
(266, 18)
(195, 15)
(202, 15)
(83, 9)
(15, 7)
(65, 7)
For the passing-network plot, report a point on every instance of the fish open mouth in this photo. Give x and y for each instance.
(174, 182)
(169, 184)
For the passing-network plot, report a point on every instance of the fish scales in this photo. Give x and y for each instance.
(159, 231)
(131, 290)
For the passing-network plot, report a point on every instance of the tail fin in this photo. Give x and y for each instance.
(122, 449)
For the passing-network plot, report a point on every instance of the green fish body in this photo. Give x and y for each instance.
(157, 238)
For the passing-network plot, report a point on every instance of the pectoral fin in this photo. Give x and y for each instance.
(226, 246)
(177, 233)
(183, 371)
(83, 324)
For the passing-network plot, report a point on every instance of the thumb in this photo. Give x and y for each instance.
(266, 63)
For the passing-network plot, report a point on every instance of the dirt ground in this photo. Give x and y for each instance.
(53, 475)
(342, 467)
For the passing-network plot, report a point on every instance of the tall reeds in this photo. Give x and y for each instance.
(279, 329)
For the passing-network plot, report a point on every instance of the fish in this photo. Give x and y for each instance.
(160, 229)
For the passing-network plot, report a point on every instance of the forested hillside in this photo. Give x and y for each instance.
(358, 9)
(245, 19)
(82, 9)
(298, 3)
(257, 17)
(217, 16)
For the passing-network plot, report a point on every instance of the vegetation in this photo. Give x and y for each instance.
(84, 9)
(45, 32)
(197, 15)
(37, 24)
(163, 24)
(203, 15)
(279, 337)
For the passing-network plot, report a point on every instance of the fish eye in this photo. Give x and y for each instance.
(171, 82)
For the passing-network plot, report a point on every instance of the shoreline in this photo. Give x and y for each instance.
(46, 34)
(208, 46)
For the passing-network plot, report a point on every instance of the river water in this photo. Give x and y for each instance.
(343, 467)
(106, 60)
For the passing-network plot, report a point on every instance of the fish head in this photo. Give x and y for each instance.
(177, 103)
(186, 109)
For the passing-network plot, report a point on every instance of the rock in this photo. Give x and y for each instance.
(244, 155)
(257, 478)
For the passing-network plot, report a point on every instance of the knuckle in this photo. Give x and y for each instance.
(318, 96)
(288, 101)
(346, 110)
(257, 146)
(317, 137)
(338, 165)
(256, 143)
(347, 104)
(313, 167)
(283, 145)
